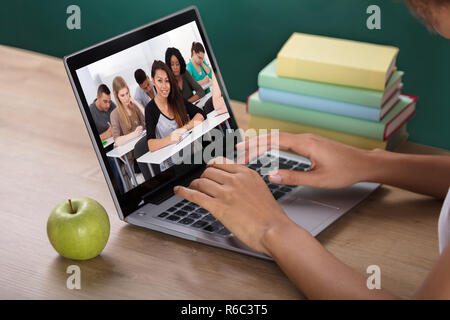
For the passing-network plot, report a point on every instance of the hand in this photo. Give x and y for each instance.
(333, 165)
(138, 131)
(248, 212)
(176, 134)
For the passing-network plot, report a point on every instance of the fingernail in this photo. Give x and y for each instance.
(275, 178)
(176, 188)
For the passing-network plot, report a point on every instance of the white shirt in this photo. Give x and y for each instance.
(444, 224)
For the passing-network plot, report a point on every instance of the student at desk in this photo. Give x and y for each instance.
(185, 81)
(197, 66)
(168, 116)
(127, 120)
(101, 110)
(145, 92)
(254, 217)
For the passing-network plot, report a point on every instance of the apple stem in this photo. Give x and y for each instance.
(71, 208)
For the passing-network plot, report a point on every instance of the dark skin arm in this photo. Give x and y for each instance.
(253, 215)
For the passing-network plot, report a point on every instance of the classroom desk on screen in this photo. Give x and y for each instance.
(50, 158)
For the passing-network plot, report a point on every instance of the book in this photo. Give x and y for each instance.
(268, 78)
(382, 130)
(258, 123)
(338, 61)
(328, 105)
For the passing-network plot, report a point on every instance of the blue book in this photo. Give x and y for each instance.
(328, 105)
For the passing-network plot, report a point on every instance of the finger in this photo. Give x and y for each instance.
(224, 164)
(296, 178)
(197, 197)
(207, 186)
(217, 175)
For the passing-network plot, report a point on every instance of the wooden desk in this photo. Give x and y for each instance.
(47, 157)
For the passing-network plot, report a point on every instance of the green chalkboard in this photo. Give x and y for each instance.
(247, 34)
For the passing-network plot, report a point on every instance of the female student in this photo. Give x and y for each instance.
(197, 67)
(168, 116)
(185, 81)
(127, 120)
(257, 220)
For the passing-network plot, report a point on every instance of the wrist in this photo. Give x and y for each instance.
(376, 165)
(274, 233)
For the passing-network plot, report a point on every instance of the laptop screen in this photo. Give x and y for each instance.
(155, 106)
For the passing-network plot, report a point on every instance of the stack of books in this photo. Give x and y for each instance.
(344, 90)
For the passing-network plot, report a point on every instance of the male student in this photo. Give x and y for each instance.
(254, 216)
(145, 92)
(101, 110)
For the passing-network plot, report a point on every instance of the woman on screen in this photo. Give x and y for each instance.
(185, 81)
(127, 120)
(198, 67)
(168, 116)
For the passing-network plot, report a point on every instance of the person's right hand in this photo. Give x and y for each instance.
(138, 131)
(333, 165)
(176, 134)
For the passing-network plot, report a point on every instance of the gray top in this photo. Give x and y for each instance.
(142, 97)
(101, 118)
(190, 86)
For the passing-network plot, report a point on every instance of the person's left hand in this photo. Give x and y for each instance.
(239, 198)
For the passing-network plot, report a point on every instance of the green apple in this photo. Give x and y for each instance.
(78, 228)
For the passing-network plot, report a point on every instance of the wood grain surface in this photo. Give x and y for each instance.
(47, 156)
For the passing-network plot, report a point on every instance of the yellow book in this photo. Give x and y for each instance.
(258, 122)
(337, 61)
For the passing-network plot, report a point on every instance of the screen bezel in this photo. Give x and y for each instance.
(133, 199)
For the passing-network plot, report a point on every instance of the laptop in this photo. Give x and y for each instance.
(141, 182)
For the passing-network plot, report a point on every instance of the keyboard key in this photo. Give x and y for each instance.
(201, 210)
(200, 224)
(186, 221)
(173, 218)
(211, 228)
(181, 213)
(292, 162)
(266, 179)
(285, 189)
(224, 232)
(282, 160)
(194, 215)
(217, 224)
(272, 186)
(284, 166)
(179, 204)
(162, 215)
(185, 201)
(172, 209)
(188, 208)
(209, 217)
(278, 194)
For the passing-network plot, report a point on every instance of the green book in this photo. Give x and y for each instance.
(382, 130)
(268, 78)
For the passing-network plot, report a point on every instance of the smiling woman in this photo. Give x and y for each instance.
(168, 116)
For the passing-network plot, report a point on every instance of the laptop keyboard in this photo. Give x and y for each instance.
(192, 215)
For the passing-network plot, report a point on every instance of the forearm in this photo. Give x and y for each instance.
(156, 144)
(196, 120)
(205, 80)
(124, 139)
(194, 98)
(105, 135)
(315, 271)
(425, 174)
(207, 70)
